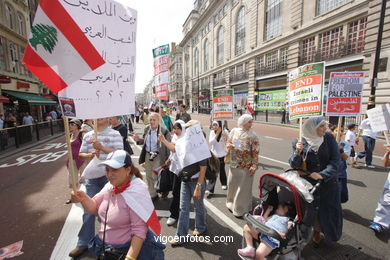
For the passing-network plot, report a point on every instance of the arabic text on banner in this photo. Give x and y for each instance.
(379, 118)
(109, 90)
(161, 71)
(223, 104)
(271, 100)
(344, 97)
(305, 90)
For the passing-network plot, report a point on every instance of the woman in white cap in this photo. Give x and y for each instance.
(243, 156)
(319, 154)
(125, 210)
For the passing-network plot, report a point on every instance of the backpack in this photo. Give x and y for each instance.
(213, 167)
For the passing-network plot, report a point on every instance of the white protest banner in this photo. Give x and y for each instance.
(193, 147)
(344, 97)
(161, 71)
(379, 117)
(109, 90)
(305, 90)
(223, 104)
(58, 52)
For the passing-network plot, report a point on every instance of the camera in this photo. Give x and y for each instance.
(153, 155)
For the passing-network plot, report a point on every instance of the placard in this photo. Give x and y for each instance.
(161, 71)
(223, 104)
(344, 96)
(305, 90)
(109, 90)
(272, 100)
(379, 118)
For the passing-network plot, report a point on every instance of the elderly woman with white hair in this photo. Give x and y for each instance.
(243, 152)
(318, 152)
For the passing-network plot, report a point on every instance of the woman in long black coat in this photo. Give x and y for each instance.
(320, 154)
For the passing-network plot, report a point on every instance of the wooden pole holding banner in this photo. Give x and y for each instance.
(300, 130)
(71, 165)
(95, 132)
(387, 137)
(338, 136)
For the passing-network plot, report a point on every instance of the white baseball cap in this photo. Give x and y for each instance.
(117, 159)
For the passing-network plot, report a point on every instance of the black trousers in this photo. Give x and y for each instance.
(222, 176)
(175, 202)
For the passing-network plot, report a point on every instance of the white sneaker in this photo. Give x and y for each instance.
(171, 221)
(207, 193)
(370, 166)
(224, 187)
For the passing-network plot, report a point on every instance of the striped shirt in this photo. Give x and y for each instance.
(109, 138)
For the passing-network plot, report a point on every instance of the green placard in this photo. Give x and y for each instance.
(271, 100)
(161, 50)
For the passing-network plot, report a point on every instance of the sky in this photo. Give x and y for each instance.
(159, 22)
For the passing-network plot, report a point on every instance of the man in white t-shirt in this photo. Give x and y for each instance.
(369, 139)
(350, 137)
(27, 119)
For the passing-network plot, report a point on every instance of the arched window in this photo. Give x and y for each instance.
(14, 58)
(220, 45)
(21, 25)
(9, 16)
(196, 62)
(206, 55)
(240, 31)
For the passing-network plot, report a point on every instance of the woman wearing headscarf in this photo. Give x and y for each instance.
(319, 154)
(217, 139)
(179, 132)
(243, 152)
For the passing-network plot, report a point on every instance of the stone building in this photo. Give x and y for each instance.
(175, 87)
(19, 89)
(250, 45)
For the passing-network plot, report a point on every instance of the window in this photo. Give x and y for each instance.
(9, 16)
(324, 6)
(3, 62)
(23, 69)
(273, 19)
(356, 36)
(283, 55)
(21, 25)
(196, 62)
(240, 31)
(308, 50)
(330, 43)
(206, 55)
(14, 58)
(271, 60)
(220, 45)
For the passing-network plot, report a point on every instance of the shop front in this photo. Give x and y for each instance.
(240, 98)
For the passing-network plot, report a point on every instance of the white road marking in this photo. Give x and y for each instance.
(273, 160)
(274, 138)
(167, 214)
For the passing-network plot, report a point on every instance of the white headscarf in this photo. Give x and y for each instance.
(183, 130)
(243, 120)
(309, 131)
(174, 166)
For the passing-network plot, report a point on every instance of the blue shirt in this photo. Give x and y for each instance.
(279, 223)
(152, 141)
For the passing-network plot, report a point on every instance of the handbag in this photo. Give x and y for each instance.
(213, 167)
(164, 180)
(189, 171)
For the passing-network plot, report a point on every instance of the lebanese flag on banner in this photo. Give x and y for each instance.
(137, 197)
(58, 52)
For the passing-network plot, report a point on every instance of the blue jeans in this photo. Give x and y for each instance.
(87, 231)
(369, 145)
(186, 194)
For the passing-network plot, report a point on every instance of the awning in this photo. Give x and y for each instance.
(4, 99)
(32, 99)
(50, 97)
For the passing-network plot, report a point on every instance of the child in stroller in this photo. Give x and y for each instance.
(280, 222)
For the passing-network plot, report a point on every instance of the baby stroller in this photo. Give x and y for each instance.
(277, 188)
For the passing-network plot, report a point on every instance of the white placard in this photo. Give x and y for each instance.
(379, 118)
(109, 90)
(192, 147)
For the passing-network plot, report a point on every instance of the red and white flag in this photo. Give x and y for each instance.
(58, 52)
(138, 199)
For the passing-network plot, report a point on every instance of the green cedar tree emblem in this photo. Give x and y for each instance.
(45, 35)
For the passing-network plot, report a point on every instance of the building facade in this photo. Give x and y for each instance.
(19, 89)
(175, 86)
(251, 45)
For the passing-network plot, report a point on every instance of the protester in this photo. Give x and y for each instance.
(137, 114)
(350, 137)
(217, 139)
(182, 114)
(10, 120)
(243, 152)
(87, 126)
(345, 150)
(167, 120)
(319, 154)
(179, 132)
(193, 186)
(369, 138)
(122, 129)
(153, 153)
(48, 117)
(28, 119)
(1, 121)
(108, 140)
(118, 205)
(76, 141)
(381, 220)
(145, 116)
